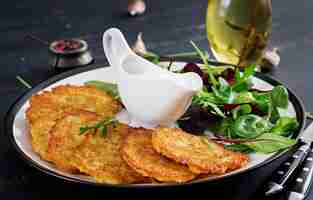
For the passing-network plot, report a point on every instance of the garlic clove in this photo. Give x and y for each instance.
(139, 46)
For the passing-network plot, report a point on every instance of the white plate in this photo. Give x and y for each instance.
(22, 138)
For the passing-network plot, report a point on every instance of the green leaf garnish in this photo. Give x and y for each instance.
(224, 92)
(204, 58)
(269, 143)
(241, 110)
(250, 126)
(109, 88)
(242, 79)
(280, 96)
(285, 126)
(102, 126)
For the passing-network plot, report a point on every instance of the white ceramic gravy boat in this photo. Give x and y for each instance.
(152, 96)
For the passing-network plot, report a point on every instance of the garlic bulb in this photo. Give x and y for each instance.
(270, 59)
(136, 7)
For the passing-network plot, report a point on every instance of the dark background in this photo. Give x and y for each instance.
(167, 27)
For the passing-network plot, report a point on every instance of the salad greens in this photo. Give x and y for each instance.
(253, 120)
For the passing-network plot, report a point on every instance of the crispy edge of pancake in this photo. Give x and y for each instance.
(200, 154)
(41, 105)
(138, 152)
(100, 157)
(39, 131)
(64, 137)
(87, 98)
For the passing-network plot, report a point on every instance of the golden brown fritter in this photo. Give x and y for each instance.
(64, 97)
(65, 137)
(100, 158)
(49, 106)
(138, 152)
(86, 98)
(200, 154)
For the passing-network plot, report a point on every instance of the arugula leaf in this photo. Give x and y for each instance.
(242, 80)
(280, 96)
(204, 57)
(269, 143)
(224, 92)
(278, 99)
(109, 88)
(208, 100)
(250, 126)
(285, 126)
(248, 71)
(241, 110)
(242, 86)
(204, 96)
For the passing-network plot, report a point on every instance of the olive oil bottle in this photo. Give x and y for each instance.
(238, 30)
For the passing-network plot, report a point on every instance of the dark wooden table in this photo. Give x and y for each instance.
(167, 27)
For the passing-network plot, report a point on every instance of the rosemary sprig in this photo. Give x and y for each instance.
(102, 126)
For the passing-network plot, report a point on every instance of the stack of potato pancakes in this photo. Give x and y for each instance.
(124, 155)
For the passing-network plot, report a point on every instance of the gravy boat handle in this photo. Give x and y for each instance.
(115, 46)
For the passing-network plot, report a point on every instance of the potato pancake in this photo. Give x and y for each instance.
(100, 157)
(64, 137)
(86, 98)
(49, 106)
(138, 152)
(42, 116)
(200, 154)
